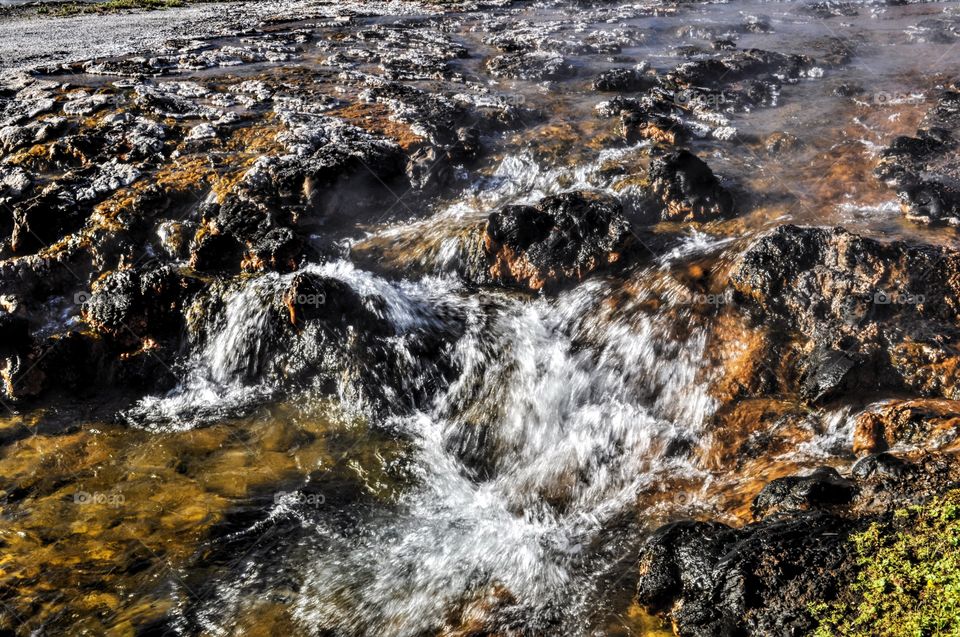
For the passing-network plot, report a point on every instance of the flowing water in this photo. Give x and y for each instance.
(516, 492)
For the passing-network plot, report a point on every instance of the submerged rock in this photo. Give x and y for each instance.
(623, 80)
(530, 65)
(562, 239)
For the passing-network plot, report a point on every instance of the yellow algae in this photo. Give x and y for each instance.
(107, 508)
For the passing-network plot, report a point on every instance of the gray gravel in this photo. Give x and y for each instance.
(30, 40)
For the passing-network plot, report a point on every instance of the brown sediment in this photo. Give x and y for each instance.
(378, 118)
(256, 138)
(743, 354)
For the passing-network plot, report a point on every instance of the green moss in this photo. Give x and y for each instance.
(909, 582)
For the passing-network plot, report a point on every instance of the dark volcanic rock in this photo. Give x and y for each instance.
(868, 316)
(626, 80)
(823, 487)
(925, 169)
(759, 580)
(131, 305)
(335, 174)
(215, 252)
(651, 117)
(40, 220)
(710, 579)
(315, 298)
(562, 239)
(688, 189)
(530, 65)
(739, 65)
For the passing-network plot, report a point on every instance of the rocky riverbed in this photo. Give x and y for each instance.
(464, 319)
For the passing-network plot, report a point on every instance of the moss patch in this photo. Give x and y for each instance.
(909, 584)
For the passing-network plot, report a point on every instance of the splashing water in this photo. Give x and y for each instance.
(560, 415)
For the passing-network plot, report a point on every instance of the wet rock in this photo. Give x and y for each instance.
(923, 422)
(278, 250)
(825, 487)
(867, 315)
(830, 373)
(710, 579)
(449, 127)
(622, 80)
(311, 297)
(445, 120)
(562, 239)
(14, 137)
(530, 65)
(335, 173)
(847, 89)
(20, 379)
(688, 189)
(131, 306)
(830, 9)
(83, 104)
(73, 362)
(924, 169)
(647, 118)
(212, 251)
(880, 464)
(175, 236)
(14, 334)
(14, 182)
(342, 340)
(741, 64)
(167, 101)
(43, 218)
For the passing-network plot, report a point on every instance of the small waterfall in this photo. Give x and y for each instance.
(573, 433)
(223, 375)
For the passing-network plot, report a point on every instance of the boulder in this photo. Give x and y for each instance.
(133, 305)
(711, 579)
(865, 316)
(560, 240)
